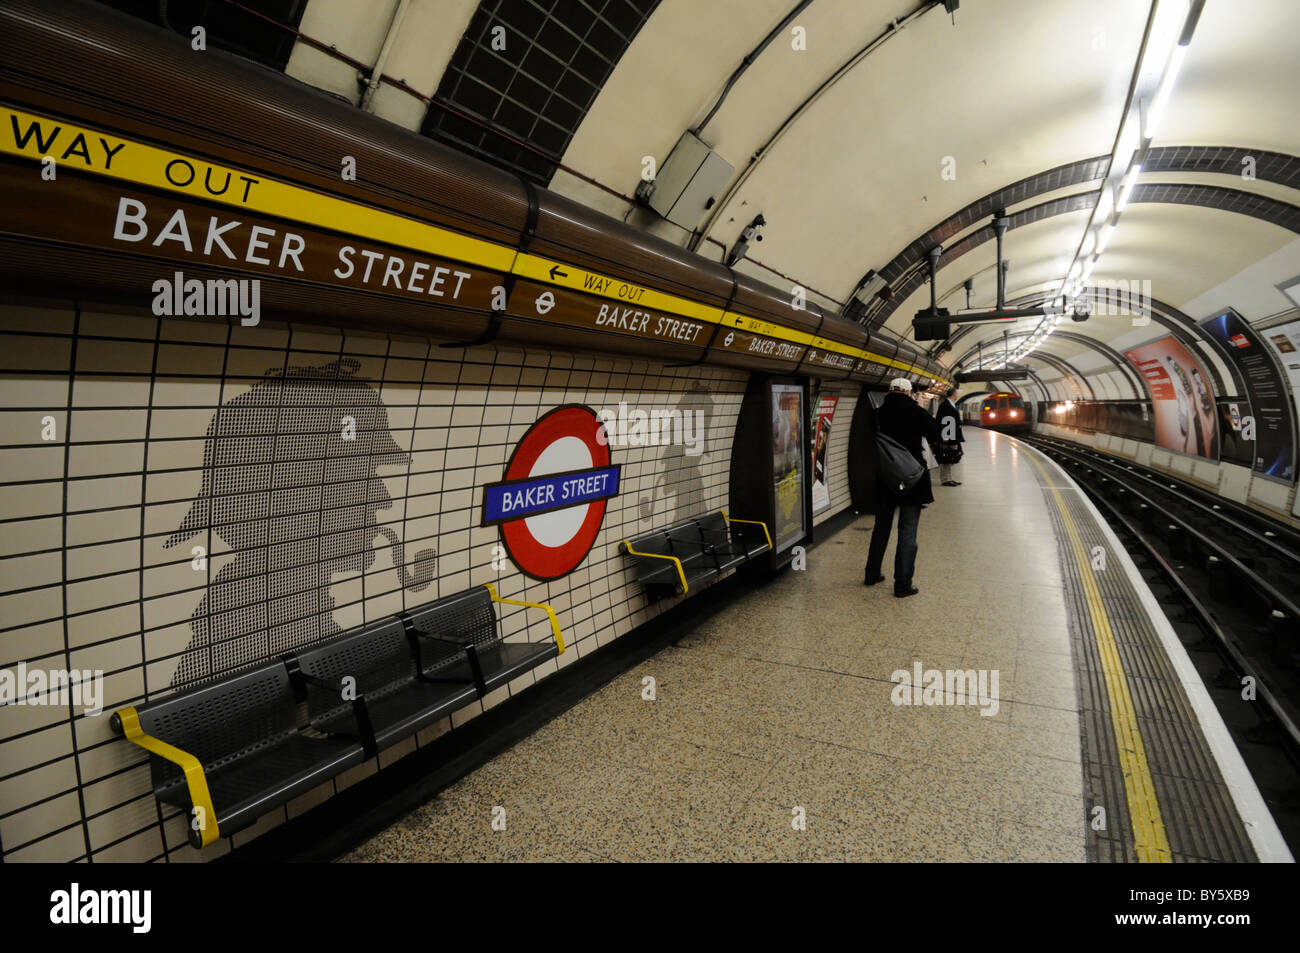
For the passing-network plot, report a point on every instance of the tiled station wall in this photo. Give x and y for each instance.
(162, 428)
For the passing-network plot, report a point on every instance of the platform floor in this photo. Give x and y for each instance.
(780, 708)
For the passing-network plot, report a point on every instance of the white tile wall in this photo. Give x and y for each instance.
(87, 580)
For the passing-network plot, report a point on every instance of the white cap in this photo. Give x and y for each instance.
(901, 383)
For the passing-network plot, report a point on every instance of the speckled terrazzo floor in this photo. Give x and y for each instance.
(783, 702)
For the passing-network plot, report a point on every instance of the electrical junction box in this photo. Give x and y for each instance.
(689, 180)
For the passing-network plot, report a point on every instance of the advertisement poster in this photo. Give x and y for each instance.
(1186, 418)
(1285, 339)
(1233, 446)
(1273, 454)
(788, 463)
(821, 494)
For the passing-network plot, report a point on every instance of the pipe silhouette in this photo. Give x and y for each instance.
(426, 562)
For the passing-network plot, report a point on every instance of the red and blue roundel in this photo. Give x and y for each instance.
(552, 501)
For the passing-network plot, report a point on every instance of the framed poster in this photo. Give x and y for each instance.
(821, 494)
(789, 463)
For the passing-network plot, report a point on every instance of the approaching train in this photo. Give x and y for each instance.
(1005, 412)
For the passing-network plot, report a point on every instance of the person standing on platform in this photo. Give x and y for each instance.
(949, 452)
(900, 417)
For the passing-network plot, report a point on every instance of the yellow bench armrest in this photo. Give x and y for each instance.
(195, 778)
(555, 623)
(732, 519)
(681, 574)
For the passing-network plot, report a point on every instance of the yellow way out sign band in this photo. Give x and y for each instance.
(115, 157)
(141, 164)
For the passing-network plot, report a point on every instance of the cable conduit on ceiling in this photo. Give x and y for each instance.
(895, 27)
(748, 61)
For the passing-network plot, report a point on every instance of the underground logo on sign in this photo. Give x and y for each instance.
(552, 501)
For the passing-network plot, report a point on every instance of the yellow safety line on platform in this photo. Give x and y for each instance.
(1149, 839)
(142, 164)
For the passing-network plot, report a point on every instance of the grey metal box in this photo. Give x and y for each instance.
(690, 176)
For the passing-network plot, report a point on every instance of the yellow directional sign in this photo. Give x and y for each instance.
(767, 328)
(537, 268)
(83, 149)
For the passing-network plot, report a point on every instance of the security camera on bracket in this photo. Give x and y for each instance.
(750, 234)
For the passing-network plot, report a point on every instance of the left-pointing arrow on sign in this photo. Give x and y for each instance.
(555, 271)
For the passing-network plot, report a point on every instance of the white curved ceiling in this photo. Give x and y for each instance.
(1012, 89)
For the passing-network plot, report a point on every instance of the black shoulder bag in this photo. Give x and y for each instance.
(899, 470)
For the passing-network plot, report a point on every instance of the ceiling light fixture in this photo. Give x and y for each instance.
(1138, 128)
(1126, 189)
(1103, 237)
(1105, 202)
(1156, 110)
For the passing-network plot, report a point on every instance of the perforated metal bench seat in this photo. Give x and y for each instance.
(387, 699)
(673, 559)
(263, 780)
(682, 557)
(750, 537)
(503, 662)
(231, 751)
(469, 620)
(717, 536)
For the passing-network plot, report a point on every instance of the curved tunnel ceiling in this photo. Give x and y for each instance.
(857, 183)
(1272, 167)
(868, 131)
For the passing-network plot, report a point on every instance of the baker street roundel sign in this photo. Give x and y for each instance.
(552, 501)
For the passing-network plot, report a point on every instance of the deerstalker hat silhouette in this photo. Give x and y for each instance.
(273, 436)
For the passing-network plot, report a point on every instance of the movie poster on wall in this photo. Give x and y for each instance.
(788, 463)
(1273, 453)
(821, 493)
(1186, 418)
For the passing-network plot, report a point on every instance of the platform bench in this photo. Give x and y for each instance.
(684, 556)
(232, 750)
(468, 621)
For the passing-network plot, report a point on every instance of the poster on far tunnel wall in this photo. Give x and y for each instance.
(1285, 339)
(821, 494)
(1273, 453)
(1186, 418)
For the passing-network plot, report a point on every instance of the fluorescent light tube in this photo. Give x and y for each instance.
(1156, 110)
(1105, 202)
(1126, 189)
(1103, 237)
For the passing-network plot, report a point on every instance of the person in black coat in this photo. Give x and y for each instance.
(900, 417)
(949, 451)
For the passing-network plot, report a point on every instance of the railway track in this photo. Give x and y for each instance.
(1228, 578)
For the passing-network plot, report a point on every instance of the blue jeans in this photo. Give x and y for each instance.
(909, 517)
